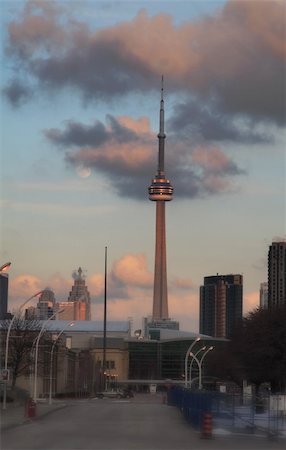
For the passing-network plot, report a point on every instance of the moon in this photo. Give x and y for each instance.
(83, 172)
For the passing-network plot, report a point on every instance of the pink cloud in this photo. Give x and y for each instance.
(125, 156)
(208, 55)
(211, 159)
(132, 270)
(250, 301)
(183, 283)
(21, 288)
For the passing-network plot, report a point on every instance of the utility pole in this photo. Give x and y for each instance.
(104, 320)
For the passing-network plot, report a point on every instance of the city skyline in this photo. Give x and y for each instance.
(79, 118)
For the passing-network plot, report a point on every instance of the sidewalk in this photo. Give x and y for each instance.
(15, 415)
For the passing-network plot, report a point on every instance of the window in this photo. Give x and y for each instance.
(68, 342)
(110, 364)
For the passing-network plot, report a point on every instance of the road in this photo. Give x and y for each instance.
(142, 423)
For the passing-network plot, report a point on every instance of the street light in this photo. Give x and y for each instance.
(37, 351)
(191, 363)
(186, 359)
(199, 363)
(7, 339)
(70, 324)
(5, 267)
(203, 357)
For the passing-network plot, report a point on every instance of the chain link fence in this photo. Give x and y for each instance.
(233, 412)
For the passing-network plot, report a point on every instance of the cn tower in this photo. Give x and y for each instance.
(160, 191)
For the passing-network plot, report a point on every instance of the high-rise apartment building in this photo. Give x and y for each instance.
(77, 307)
(263, 295)
(277, 275)
(220, 304)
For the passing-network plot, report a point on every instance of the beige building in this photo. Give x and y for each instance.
(77, 307)
(74, 366)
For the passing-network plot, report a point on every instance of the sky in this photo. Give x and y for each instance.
(80, 96)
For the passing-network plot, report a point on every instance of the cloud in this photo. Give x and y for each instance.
(250, 301)
(228, 67)
(128, 277)
(183, 283)
(133, 271)
(16, 92)
(234, 58)
(206, 121)
(21, 288)
(125, 151)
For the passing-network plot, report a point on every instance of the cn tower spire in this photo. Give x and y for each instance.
(160, 191)
(161, 135)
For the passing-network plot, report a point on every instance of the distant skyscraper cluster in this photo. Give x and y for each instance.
(77, 306)
(221, 296)
(220, 304)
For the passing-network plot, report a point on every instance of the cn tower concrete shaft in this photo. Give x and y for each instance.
(160, 191)
(160, 296)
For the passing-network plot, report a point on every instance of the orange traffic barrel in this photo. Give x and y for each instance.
(207, 426)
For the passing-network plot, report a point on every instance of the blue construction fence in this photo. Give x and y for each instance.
(231, 411)
(193, 404)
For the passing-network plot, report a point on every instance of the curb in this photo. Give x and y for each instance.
(28, 420)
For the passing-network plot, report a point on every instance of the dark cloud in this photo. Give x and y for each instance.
(128, 157)
(237, 56)
(79, 135)
(16, 92)
(206, 122)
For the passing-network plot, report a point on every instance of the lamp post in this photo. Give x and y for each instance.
(191, 363)
(5, 267)
(186, 359)
(199, 363)
(37, 351)
(200, 369)
(202, 359)
(7, 341)
(70, 324)
(104, 320)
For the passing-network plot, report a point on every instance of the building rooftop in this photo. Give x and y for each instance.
(88, 326)
(167, 334)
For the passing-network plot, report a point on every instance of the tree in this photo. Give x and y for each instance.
(259, 347)
(22, 336)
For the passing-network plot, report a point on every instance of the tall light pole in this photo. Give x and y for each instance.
(192, 361)
(200, 362)
(186, 359)
(202, 359)
(70, 324)
(7, 342)
(104, 320)
(37, 351)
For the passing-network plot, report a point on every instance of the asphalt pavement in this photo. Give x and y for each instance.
(144, 422)
(16, 414)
